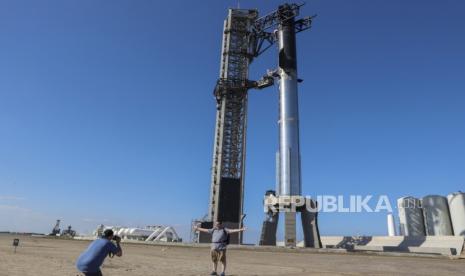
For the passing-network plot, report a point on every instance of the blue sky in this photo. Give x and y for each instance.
(107, 114)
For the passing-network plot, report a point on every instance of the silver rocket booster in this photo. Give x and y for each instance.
(288, 177)
(289, 153)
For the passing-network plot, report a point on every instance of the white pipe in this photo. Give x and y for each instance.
(166, 230)
(161, 234)
(154, 234)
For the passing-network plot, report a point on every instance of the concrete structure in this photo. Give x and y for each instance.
(440, 245)
(457, 212)
(437, 217)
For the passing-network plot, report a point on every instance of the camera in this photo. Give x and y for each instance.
(116, 238)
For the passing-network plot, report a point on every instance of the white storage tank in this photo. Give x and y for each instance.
(437, 217)
(391, 225)
(410, 217)
(457, 212)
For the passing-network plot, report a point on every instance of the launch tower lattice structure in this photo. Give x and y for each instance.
(227, 174)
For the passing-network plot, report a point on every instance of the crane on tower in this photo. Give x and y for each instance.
(56, 229)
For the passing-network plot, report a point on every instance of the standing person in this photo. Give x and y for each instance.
(89, 261)
(220, 241)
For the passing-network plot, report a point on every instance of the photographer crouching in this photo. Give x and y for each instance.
(92, 258)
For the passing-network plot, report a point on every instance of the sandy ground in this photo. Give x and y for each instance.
(40, 256)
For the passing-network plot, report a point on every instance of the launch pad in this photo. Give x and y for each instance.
(245, 37)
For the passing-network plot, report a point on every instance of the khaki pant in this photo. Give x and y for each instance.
(218, 255)
(99, 273)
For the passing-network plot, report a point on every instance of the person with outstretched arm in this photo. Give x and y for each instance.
(220, 241)
(92, 258)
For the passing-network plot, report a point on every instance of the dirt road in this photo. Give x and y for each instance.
(43, 256)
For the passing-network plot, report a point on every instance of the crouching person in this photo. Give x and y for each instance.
(220, 241)
(92, 258)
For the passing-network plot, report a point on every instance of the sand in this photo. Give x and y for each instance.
(44, 256)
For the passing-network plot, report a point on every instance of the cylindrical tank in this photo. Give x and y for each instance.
(391, 225)
(437, 217)
(457, 212)
(410, 216)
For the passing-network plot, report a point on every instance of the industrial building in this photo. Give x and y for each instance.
(433, 215)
